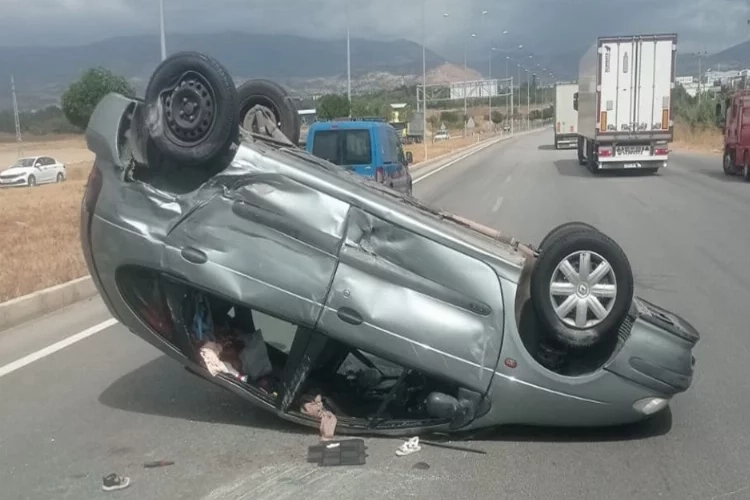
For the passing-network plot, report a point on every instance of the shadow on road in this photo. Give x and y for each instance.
(163, 387)
(658, 425)
(720, 175)
(546, 147)
(571, 168)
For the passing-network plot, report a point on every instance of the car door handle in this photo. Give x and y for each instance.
(349, 315)
(194, 255)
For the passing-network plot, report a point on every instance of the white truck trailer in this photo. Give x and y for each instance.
(624, 102)
(566, 116)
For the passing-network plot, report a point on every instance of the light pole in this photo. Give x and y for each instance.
(424, 83)
(348, 63)
(466, 90)
(162, 34)
(492, 124)
(528, 101)
(700, 72)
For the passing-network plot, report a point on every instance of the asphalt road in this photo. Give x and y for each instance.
(111, 402)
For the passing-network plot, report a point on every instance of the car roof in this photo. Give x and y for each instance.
(348, 125)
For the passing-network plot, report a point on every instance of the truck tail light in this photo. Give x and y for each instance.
(379, 174)
(661, 151)
(603, 121)
(558, 126)
(605, 152)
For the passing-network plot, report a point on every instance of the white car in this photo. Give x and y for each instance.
(441, 135)
(33, 170)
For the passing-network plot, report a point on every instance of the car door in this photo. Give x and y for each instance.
(41, 172)
(50, 169)
(270, 244)
(392, 159)
(413, 301)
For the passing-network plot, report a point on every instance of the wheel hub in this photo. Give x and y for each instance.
(583, 289)
(190, 109)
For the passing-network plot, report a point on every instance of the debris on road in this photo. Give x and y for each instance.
(112, 482)
(342, 452)
(157, 463)
(408, 447)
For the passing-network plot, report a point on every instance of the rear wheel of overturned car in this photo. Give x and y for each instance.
(191, 102)
(582, 288)
(564, 229)
(274, 98)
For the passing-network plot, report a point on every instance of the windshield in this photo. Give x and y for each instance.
(24, 162)
(343, 147)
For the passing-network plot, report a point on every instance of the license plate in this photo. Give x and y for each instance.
(630, 150)
(632, 165)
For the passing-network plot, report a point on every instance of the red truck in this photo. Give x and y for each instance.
(736, 124)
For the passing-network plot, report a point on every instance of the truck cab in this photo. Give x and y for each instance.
(735, 118)
(369, 148)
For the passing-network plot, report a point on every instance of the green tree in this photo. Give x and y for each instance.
(79, 101)
(497, 116)
(332, 106)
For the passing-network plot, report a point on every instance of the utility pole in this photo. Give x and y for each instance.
(424, 83)
(15, 115)
(348, 63)
(491, 90)
(162, 31)
(528, 101)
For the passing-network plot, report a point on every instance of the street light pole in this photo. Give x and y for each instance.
(492, 124)
(162, 34)
(528, 101)
(424, 82)
(348, 63)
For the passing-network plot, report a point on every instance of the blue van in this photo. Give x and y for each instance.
(370, 148)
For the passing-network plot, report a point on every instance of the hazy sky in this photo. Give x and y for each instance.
(549, 25)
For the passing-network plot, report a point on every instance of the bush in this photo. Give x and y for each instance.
(79, 101)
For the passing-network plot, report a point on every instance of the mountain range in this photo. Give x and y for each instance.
(307, 66)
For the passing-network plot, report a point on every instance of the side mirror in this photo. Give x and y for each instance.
(409, 157)
(575, 101)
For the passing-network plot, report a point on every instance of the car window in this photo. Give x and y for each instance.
(24, 162)
(343, 147)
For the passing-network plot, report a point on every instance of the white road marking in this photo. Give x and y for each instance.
(497, 204)
(51, 349)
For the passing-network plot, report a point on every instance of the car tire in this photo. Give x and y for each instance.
(59, 178)
(746, 169)
(31, 181)
(191, 104)
(276, 99)
(727, 163)
(581, 159)
(562, 230)
(550, 289)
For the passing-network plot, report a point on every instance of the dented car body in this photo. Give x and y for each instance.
(439, 310)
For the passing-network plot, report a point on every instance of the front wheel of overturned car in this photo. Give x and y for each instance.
(274, 98)
(190, 108)
(582, 288)
(564, 229)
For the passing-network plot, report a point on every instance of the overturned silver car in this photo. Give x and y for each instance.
(289, 280)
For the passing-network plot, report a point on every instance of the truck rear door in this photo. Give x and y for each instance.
(637, 75)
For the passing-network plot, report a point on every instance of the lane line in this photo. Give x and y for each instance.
(51, 349)
(497, 204)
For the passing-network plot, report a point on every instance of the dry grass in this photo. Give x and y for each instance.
(708, 140)
(455, 143)
(40, 235)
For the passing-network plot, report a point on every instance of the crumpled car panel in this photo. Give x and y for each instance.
(420, 303)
